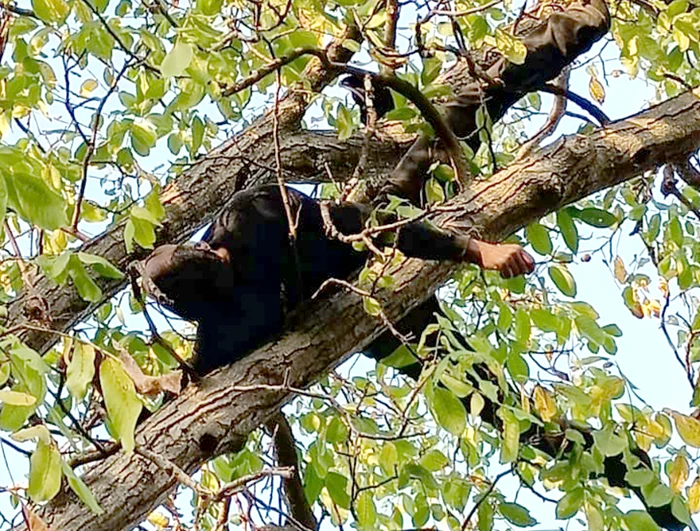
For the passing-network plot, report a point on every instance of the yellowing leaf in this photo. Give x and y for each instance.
(44, 472)
(123, 404)
(678, 472)
(688, 428)
(620, 271)
(596, 89)
(15, 398)
(511, 436)
(81, 370)
(87, 87)
(544, 404)
(39, 432)
(563, 279)
(694, 496)
(177, 60)
(158, 520)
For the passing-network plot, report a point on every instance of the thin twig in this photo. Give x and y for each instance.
(481, 500)
(582, 102)
(236, 486)
(91, 146)
(556, 113)
(168, 466)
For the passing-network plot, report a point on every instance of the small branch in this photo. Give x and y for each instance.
(483, 498)
(286, 452)
(240, 484)
(117, 38)
(668, 187)
(15, 447)
(369, 133)
(556, 113)
(274, 65)
(432, 116)
(466, 12)
(110, 448)
(91, 146)
(19, 11)
(392, 13)
(578, 100)
(179, 474)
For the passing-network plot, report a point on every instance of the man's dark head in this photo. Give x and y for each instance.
(190, 280)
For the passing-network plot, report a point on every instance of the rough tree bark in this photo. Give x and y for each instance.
(217, 415)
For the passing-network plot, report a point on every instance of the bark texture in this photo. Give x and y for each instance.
(216, 415)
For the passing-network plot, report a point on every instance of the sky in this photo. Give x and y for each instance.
(643, 354)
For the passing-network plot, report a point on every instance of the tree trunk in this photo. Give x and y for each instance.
(216, 415)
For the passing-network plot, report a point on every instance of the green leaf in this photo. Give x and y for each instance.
(143, 137)
(103, 266)
(640, 521)
(35, 201)
(677, 7)
(51, 11)
(175, 143)
(608, 443)
(660, 495)
(516, 514)
(569, 505)
(16, 398)
(674, 231)
(639, 477)
(434, 192)
(177, 60)
(44, 472)
(434, 460)
(568, 229)
(511, 435)
(366, 510)
(87, 289)
(144, 232)
(81, 489)
(538, 236)
(388, 457)
(561, 277)
(344, 123)
(485, 513)
(590, 329)
(123, 404)
(81, 370)
(337, 487)
(29, 370)
(448, 410)
(455, 491)
(209, 7)
(597, 217)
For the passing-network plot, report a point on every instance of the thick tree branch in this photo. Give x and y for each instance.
(191, 200)
(217, 415)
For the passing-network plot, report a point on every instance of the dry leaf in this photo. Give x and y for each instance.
(596, 89)
(149, 385)
(32, 520)
(620, 271)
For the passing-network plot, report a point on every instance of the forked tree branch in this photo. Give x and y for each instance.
(217, 415)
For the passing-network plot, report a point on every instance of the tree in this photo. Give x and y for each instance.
(378, 450)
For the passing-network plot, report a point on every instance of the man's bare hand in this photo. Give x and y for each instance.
(509, 259)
